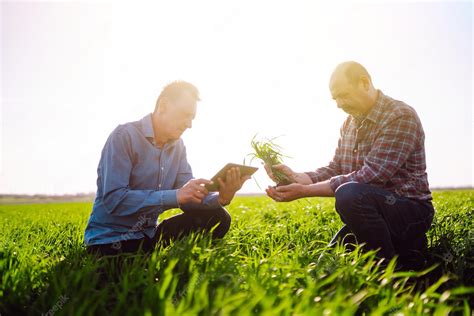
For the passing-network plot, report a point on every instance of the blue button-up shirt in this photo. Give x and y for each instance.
(136, 182)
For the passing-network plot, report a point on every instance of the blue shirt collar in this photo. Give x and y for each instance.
(147, 126)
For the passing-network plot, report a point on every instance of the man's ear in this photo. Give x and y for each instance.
(162, 105)
(365, 82)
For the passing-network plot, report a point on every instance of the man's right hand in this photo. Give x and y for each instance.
(193, 191)
(295, 177)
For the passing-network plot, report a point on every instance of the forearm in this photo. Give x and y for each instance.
(323, 173)
(124, 202)
(210, 202)
(322, 188)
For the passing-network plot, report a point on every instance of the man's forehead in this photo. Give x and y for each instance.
(338, 79)
(185, 100)
(337, 85)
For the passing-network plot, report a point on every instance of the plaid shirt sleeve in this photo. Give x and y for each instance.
(389, 152)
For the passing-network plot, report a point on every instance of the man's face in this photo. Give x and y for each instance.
(178, 115)
(352, 99)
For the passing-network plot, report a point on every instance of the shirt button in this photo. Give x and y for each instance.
(162, 168)
(355, 151)
(159, 185)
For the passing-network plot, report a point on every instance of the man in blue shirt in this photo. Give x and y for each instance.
(143, 171)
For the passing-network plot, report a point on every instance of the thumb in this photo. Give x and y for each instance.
(221, 183)
(268, 168)
(282, 188)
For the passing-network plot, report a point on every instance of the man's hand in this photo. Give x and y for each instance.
(193, 191)
(295, 177)
(287, 193)
(233, 183)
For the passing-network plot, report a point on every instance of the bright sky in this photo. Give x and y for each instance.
(72, 71)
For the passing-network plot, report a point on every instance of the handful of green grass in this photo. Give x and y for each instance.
(270, 153)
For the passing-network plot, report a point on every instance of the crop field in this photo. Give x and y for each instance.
(273, 261)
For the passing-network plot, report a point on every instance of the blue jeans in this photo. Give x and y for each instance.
(383, 220)
(172, 229)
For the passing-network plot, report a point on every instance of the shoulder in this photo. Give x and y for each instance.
(396, 109)
(128, 129)
(124, 134)
(179, 144)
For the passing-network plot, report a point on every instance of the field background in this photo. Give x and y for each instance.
(273, 261)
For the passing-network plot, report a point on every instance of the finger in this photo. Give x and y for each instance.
(203, 190)
(272, 193)
(201, 181)
(199, 195)
(196, 200)
(229, 176)
(268, 169)
(235, 174)
(200, 188)
(269, 194)
(221, 184)
(278, 166)
(283, 188)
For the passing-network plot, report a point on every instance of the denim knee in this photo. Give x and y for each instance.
(224, 219)
(345, 196)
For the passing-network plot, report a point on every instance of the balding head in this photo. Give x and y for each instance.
(351, 71)
(351, 87)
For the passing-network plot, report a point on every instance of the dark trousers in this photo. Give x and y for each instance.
(172, 229)
(382, 220)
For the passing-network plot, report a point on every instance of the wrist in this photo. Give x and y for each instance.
(307, 190)
(302, 178)
(222, 201)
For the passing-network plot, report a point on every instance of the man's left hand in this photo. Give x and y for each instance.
(233, 183)
(287, 193)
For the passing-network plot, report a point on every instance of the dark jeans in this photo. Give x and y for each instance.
(382, 220)
(171, 229)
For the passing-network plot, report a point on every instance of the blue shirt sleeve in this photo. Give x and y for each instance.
(115, 168)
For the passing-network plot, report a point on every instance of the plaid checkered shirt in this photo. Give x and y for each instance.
(385, 149)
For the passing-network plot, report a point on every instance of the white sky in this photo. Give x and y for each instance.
(72, 71)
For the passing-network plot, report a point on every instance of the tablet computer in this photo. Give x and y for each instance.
(244, 171)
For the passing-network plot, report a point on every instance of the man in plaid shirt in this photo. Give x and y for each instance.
(378, 173)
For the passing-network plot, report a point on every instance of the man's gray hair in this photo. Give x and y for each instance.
(174, 90)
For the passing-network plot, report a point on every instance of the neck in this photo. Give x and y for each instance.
(374, 95)
(158, 132)
(372, 99)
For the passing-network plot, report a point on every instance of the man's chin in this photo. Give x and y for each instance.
(178, 135)
(349, 112)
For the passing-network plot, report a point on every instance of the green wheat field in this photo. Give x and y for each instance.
(273, 261)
